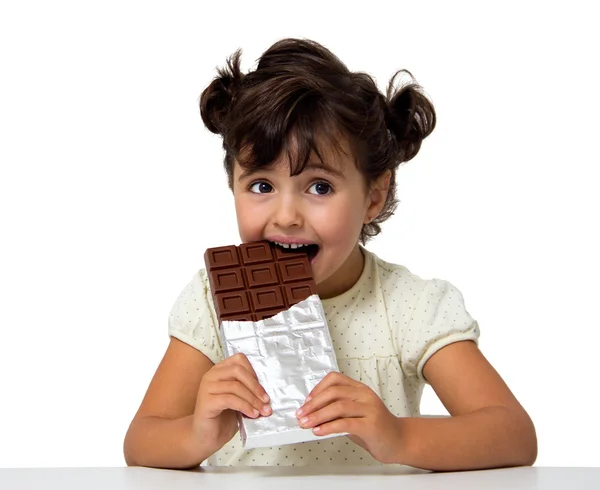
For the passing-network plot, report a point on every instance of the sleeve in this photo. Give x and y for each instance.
(439, 319)
(192, 321)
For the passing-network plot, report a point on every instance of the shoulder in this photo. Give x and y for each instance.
(395, 278)
(424, 314)
(433, 295)
(192, 298)
(192, 318)
(198, 283)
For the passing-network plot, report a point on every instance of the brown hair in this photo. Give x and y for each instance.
(301, 89)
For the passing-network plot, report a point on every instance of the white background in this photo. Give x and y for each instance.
(111, 189)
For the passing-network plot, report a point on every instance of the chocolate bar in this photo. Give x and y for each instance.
(268, 309)
(257, 280)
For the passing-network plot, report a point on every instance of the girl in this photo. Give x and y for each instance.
(311, 152)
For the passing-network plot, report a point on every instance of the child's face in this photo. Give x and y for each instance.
(315, 207)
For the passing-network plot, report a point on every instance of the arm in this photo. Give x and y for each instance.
(160, 434)
(488, 427)
(190, 409)
(163, 443)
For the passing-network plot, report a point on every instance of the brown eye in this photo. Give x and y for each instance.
(322, 188)
(261, 187)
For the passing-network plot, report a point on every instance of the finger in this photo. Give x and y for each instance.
(243, 361)
(336, 410)
(331, 379)
(326, 397)
(338, 426)
(237, 372)
(357, 440)
(220, 403)
(237, 388)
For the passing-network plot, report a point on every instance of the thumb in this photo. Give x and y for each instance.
(357, 440)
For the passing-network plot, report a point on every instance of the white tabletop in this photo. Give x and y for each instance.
(296, 478)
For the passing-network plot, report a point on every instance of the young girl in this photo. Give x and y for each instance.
(311, 152)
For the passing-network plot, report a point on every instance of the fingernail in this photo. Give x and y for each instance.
(266, 408)
(317, 429)
(256, 413)
(308, 398)
(265, 398)
(304, 420)
(299, 412)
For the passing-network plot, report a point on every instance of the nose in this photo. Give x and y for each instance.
(287, 212)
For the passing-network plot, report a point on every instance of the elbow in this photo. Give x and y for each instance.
(520, 440)
(129, 461)
(532, 449)
(527, 441)
(529, 455)
(128, 449)
(532, 458)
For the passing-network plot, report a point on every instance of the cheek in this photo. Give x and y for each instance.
(247, 222)
(343, 225)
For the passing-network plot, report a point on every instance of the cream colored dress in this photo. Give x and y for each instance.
(384, 329)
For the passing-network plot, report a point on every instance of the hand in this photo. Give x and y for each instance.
(340, 404)
(228, 387)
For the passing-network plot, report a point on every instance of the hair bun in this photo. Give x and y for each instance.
(216, 99)
(410, 116)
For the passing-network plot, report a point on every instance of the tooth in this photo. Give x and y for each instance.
(300, 245)
(294, 245)
(285, 245)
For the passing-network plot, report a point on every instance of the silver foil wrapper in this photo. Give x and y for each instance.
(291, 353)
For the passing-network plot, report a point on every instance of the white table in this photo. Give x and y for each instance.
(297, 478)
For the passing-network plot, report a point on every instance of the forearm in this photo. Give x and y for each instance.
(489, 438)
(163, 443)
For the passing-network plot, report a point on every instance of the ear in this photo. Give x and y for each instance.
(377, 196)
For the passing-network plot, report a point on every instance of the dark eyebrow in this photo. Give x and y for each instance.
(313, 165)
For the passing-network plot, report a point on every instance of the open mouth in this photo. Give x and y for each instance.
(310, 249)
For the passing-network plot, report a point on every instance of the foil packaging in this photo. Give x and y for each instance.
(291, 353)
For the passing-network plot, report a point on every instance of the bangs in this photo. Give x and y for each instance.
(289, 124)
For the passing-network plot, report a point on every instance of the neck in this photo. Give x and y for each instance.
(345, 277)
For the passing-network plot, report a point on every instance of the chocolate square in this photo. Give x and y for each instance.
(257, 279)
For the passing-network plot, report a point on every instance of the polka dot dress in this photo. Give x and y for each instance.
(384, 329)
